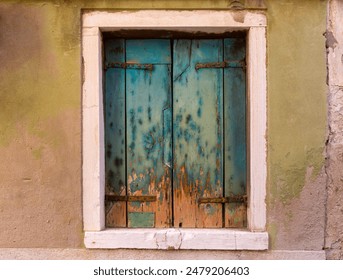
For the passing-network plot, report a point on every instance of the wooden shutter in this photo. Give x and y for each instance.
(198, 138)
(235, 132)
(175, 133)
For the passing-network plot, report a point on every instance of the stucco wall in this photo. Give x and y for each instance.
(40, 121)
(296, 124)
(334, 222)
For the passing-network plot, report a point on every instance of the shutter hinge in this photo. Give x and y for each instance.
(129, 65)
(228, 199)
(223, 64)
(130, 198)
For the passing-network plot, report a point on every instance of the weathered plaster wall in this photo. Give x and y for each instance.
(296, 124)
(334, 228)
(40, 168)
(40, 120)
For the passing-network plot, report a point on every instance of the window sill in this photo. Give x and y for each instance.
(164, 239)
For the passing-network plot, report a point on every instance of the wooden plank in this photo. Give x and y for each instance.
(235, 133)
(148, 51)
(115, 133)
(148, 93)
(198, 120)
(141, 219)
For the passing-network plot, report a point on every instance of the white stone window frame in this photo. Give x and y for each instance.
(94, 23)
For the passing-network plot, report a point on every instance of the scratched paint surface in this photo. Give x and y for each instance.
(115, 128)
(147, 95)
(196, 133)
(235, 132)
(198, 120)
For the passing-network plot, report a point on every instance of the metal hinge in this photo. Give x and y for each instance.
(228, 199)
(130, 198)
(129, 65)
(223, 64)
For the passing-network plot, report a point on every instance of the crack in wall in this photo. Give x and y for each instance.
(170, 239)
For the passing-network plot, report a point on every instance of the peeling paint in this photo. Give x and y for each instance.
(331, 41)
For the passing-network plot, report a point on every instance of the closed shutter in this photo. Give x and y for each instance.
(175, 133)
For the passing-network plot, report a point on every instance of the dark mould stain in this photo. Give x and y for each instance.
(118, 161)
(193, 126)
(187, 136)
(188, 118)
(236, 48)
(117, 50)
(132, 146)
(149, 113)
(110, 174)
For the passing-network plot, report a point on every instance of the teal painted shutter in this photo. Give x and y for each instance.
(148, 94)
(115, 127)
(175, 133)
(235, 132)
(198, 126)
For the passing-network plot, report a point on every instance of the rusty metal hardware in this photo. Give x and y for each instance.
(129, 65)
(223, 64)
(131, 198)
(228, 199)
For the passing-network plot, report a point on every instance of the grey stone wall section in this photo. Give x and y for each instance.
(334, 166)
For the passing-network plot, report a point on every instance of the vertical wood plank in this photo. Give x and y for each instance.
(198, 120)
(148, 94)
(235, 133)
(115, 162)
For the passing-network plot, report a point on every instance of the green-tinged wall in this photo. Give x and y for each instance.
(40, 119)
(296, 123)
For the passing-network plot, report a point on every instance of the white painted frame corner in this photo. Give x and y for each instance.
(96, 236)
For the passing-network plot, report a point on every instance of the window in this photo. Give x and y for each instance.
(175, 132)
(95, 143)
